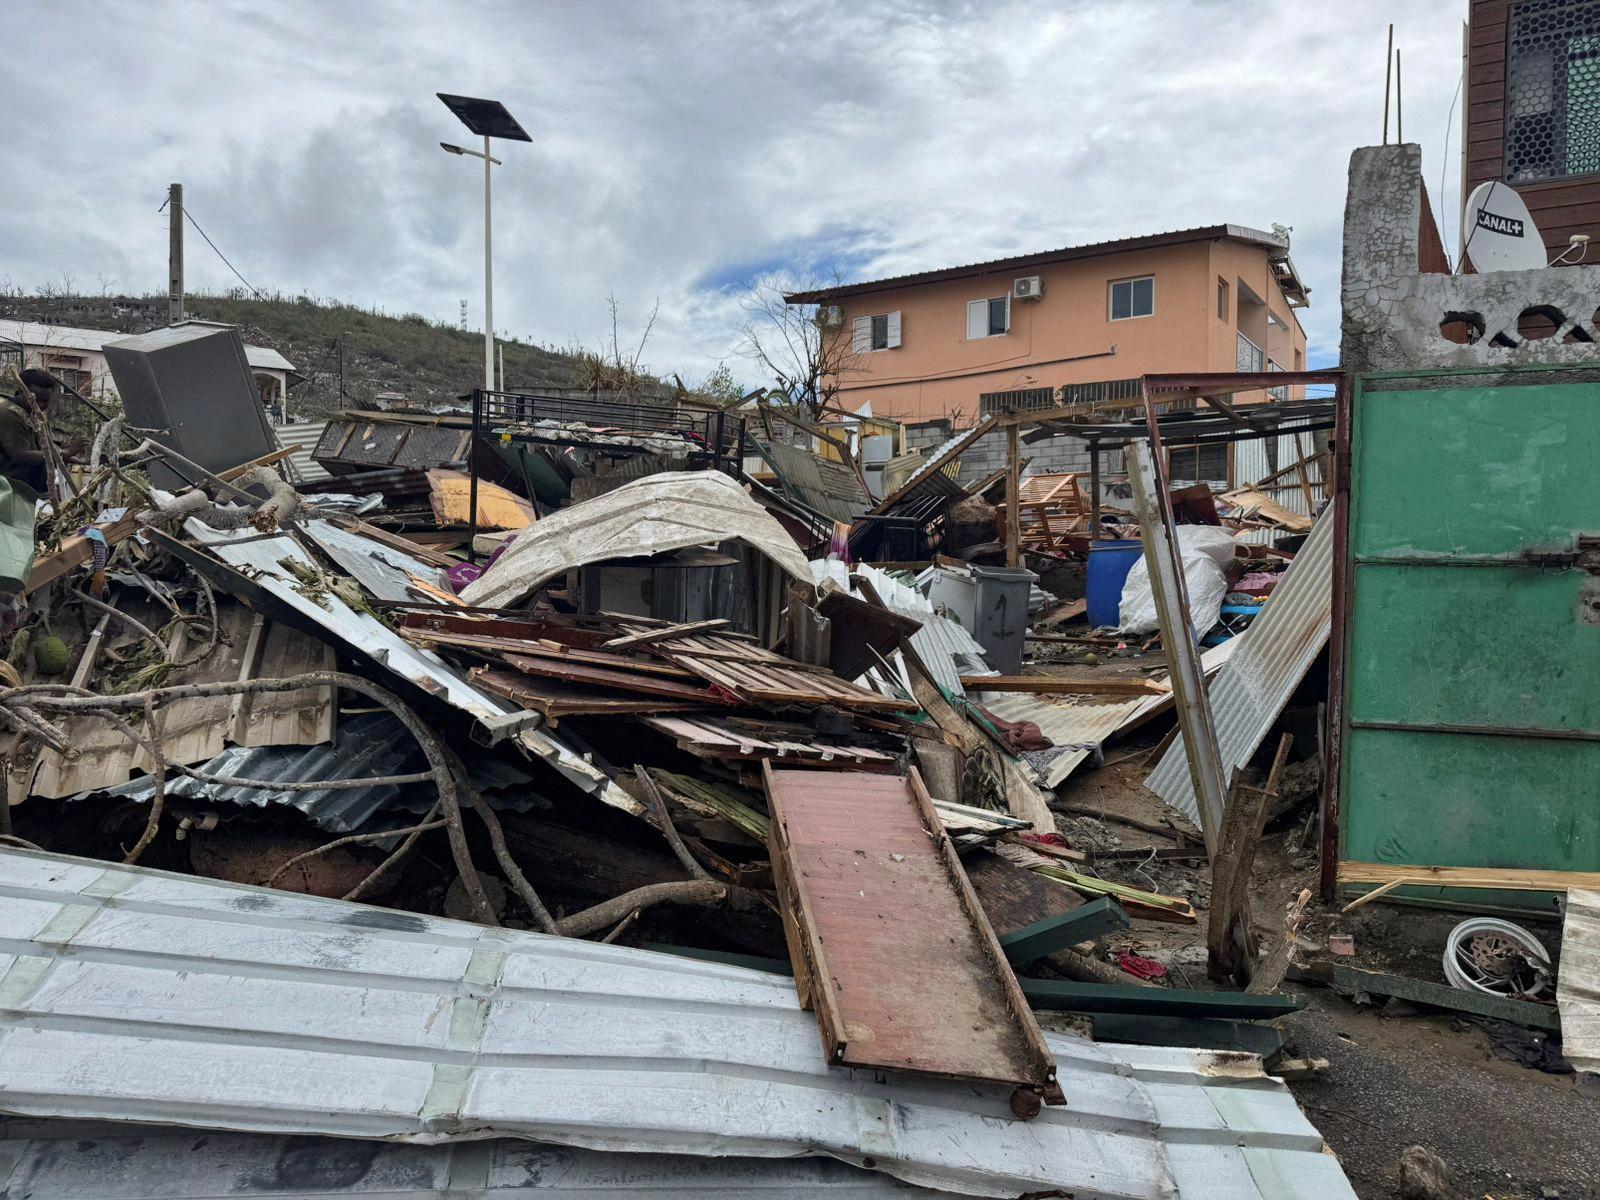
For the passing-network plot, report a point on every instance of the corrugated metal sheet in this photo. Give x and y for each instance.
(306, 435)
(137, 995)
(1085, 722)
(261, 558)
(368, 745)
(75, 1160)
(381, 569)
(1271, 658)
(1251, 462)
(1578, 985)
(649, 516)
(830, 488)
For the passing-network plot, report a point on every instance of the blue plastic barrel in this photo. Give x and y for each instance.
(1109, 564)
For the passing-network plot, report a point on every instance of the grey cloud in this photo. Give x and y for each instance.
(674, 142)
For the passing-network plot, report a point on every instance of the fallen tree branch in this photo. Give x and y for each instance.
(353, 840)
(158, 802)
(138, 627)
(658, 808)
(701, 893)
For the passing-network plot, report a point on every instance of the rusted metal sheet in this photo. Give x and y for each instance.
(890, 946)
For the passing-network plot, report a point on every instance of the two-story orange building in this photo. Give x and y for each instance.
(1009, 334)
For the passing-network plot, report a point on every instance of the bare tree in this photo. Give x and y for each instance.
(806, 356)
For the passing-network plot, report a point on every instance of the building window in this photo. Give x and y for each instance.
(988, 318)
(1277, 393)
(1196, 463)
(1250, 357)
(1133, 298)
(881, 332)
(1020, 400)
(1552, 107)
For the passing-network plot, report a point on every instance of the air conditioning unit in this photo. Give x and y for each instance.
(830, 316)
(1029, 287)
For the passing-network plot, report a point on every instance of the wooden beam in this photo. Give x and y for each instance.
(665, 634)
(1054, 685)
(936, 464)
(1506, 878)
(1232, 413)
(266, 460)
(1013, 497)
(75, 551)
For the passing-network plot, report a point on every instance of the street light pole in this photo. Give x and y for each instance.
(489, 119)
(488, 275)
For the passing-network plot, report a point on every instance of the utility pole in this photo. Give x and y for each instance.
(340, 344)
(175, 253)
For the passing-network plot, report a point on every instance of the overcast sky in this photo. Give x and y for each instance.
(680, 149)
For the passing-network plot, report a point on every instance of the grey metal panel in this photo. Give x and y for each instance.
(70, 1160)
(381, 569)
(1269, 660)
(193, 383)
(137, 995)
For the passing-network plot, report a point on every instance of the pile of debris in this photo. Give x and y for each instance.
(643, 718)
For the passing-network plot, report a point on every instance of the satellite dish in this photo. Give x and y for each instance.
(1501, 235)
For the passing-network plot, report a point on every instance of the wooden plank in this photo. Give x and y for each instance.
(557, 698)
(1506, 878)
(886, 938)
(573, 671)
(75, 551)
(1056, 685)
(644, 638)
(495, 646)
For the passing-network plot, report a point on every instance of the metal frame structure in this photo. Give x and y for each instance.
(721, 436)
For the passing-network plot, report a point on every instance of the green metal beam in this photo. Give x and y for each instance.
(1082, 924)
(1436, 995)
(1205, 1033)
(1072, 996)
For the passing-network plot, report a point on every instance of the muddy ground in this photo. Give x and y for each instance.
(1397, 1076)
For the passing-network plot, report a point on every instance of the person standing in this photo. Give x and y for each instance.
(24, 479)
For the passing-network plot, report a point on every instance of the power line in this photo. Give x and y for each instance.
(189, 216)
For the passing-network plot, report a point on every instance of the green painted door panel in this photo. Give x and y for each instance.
(1498, 646)
(1475, 470)
(1442, 799)
(1454, 471)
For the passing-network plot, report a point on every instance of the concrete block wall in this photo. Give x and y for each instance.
(1058, 455)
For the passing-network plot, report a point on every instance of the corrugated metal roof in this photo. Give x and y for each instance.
(75, 1160)
(306, 435)
(1271, 658)
(1578, 985)
(1241, 233)
(945, 647)
(137, 995)
(1083, 721)
(262, 558)
(366, 746)
(830, 488)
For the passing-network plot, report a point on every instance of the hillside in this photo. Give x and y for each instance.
(426, 363)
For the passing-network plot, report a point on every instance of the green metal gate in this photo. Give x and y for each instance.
(1470, 722)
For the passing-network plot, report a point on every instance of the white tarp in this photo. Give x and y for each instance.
(1205, 550)
(652, 515)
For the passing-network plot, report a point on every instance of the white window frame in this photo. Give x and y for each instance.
(1111, 290)
(861, 332)
(986, 301)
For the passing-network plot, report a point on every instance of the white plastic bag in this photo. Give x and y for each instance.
(1205, 550)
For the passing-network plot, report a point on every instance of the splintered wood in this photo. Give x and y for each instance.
(888, 942)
